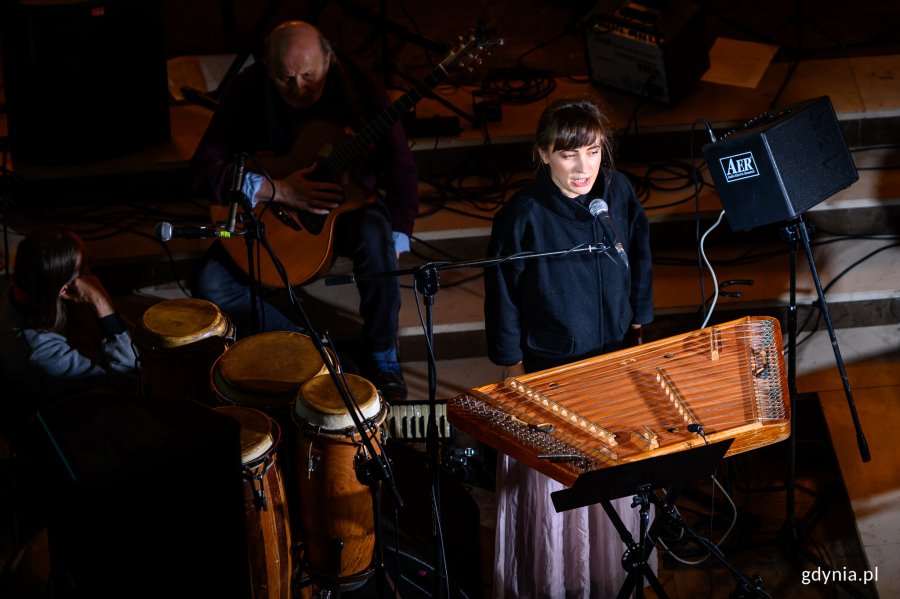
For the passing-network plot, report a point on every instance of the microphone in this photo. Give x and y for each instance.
(696, 428)
(600, 210)
(237, 185)
(166, 231)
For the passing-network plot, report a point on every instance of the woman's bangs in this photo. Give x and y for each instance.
(579, 134)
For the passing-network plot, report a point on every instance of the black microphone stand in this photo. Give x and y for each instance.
(427, 282)
(253, 230)
(371, 472)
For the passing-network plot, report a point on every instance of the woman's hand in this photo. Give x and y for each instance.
(87, 289)
(634, 336)
(513, 370)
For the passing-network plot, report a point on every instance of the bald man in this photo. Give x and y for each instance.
(302, 80)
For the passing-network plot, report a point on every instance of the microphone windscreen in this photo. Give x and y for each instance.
(598, 206)
(163, 231)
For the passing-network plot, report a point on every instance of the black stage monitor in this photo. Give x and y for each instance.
(85, 80)
(780, 164)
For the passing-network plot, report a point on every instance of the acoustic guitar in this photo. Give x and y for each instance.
(302, 241)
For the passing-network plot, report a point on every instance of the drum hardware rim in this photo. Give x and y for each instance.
(340, 433)
(268, 455)
(260, 500)
(329, 580)
(228, 394)
(195, 346)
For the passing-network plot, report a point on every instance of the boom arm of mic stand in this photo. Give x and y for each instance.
(477, 263)
(379, 471)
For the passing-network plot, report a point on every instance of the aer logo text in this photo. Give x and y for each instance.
(739, 166)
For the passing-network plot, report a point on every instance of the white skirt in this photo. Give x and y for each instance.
(542, 554)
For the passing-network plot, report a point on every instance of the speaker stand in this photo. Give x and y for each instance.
(797, 233)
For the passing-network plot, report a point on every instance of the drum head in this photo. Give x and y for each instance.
(177, 322)
(258, 432)
(267, 369)
(319, 403)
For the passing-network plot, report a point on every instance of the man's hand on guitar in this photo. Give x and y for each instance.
(302, 193)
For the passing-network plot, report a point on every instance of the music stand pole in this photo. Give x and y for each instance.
(635, 558)
(639, 478)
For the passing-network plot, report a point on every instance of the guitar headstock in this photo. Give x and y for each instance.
(469, 50)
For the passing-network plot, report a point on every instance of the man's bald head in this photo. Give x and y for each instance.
(297, 60)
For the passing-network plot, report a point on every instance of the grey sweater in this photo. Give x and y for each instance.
(39, 365)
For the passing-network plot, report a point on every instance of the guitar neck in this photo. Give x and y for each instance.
(357, 145)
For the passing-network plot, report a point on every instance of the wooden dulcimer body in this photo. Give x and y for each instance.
(727, 381)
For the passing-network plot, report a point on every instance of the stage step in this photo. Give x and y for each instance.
(870, 355)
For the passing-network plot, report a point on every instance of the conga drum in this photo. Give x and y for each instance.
(265, 372)
(178, 342)
(265, 505)
(335, 509)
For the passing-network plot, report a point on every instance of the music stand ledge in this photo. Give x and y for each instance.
(639, 479)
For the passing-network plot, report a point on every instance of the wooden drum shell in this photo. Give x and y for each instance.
(178, 342)
(334, 506)
(269, 538)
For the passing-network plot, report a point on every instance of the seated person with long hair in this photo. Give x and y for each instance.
(42, 359)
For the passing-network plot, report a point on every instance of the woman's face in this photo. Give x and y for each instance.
(575, 171)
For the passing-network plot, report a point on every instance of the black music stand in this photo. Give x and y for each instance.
(640, 478)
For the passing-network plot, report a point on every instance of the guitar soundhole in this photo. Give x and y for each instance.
(311, 222)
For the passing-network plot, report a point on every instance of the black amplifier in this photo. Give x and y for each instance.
(780, 164)
(652, 48)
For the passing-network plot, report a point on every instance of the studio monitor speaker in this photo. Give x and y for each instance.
(781, 164)
(85, 80)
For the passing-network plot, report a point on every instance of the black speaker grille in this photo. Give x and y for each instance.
(778, 169)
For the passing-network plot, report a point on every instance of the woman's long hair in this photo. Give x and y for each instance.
(46, 260)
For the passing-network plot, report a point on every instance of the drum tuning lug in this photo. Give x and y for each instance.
(313, 463)
(261, 501)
